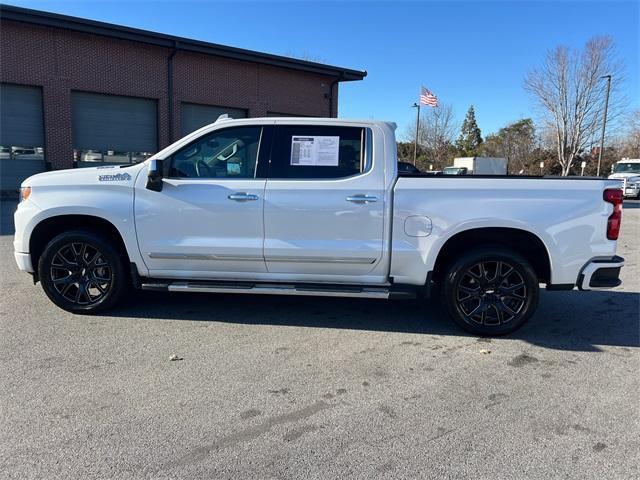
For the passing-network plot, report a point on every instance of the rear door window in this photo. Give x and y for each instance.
(317, 152)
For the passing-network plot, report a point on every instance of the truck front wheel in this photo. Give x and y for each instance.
(490, 291)
(82, 273)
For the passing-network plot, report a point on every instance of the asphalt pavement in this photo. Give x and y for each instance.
(277, 387)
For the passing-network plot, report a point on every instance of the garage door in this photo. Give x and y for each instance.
(21, 134)
(110, 129)
(195, 116)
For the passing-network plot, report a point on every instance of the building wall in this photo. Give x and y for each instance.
(60, 61)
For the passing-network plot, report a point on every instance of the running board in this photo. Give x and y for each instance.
(317, 290)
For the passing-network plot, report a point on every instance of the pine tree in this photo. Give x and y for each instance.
(470, 137)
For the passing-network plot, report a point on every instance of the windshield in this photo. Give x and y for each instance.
(454, 170)
(628, 167)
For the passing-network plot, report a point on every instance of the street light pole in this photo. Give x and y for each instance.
(604, 120)
(415, 141)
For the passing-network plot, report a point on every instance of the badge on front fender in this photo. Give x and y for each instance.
(118, 177)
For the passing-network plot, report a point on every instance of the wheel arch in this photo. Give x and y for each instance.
(50, 227)
(523, 242)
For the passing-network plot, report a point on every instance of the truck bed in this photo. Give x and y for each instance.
(560, 211)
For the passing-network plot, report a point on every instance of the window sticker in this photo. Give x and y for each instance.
(316, 151)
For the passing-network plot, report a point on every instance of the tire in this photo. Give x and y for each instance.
(490, 291)
(82, 273)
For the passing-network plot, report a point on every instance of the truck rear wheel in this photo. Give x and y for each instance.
(82, 273)
(490, 291)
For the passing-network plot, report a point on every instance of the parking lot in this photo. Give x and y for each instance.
(277, 387)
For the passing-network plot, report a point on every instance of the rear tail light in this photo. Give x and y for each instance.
(614, 197)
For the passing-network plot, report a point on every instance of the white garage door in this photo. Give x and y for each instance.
(21, 134)
(194, 116)
(113, 129)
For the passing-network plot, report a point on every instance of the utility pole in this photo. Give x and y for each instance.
(604, 120)
(415, 141)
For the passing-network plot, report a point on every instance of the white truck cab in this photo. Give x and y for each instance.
(628, 170)
(312, 206)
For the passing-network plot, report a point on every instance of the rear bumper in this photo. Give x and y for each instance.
(601, 274)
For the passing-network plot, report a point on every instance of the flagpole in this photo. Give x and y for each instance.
(415, 141)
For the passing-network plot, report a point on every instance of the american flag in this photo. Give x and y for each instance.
(428, 98)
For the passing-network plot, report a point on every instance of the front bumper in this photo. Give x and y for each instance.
(601, 274)
(24, 261)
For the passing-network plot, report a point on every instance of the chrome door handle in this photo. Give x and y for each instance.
(242, 197)
(362, 199)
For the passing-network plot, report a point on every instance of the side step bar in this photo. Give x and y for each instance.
(318, 290)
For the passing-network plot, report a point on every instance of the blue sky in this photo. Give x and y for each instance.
(465, 52)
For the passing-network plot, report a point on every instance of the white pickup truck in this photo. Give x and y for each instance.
(628, 170)
(302, 206)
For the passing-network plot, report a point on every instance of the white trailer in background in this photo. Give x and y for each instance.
(477, 166)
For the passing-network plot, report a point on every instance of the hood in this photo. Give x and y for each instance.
(116, 174)
(622, 175)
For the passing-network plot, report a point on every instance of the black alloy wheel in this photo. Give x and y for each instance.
(80, 273)
(490, 291)
(83, 271)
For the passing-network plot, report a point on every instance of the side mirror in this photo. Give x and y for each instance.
(154, 177)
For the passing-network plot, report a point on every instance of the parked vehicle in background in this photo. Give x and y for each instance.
(24, 153)
(477, 166)
(628, 170)
(314, 206)
(91, 156)
(455, 171)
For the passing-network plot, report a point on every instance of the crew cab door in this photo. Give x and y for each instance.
(207, 220)
(324, 206)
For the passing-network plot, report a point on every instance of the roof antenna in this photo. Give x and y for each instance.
(224, 117)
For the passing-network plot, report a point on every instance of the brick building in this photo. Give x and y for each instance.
(76, 92)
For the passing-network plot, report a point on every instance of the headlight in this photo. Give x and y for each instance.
(25, 193)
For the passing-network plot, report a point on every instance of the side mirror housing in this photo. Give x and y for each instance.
(154, 177)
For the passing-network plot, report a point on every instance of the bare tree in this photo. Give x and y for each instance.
(630, 143)
(436, 133)
(569, 88)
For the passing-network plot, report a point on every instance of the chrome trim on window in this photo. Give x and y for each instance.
(368, 150)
